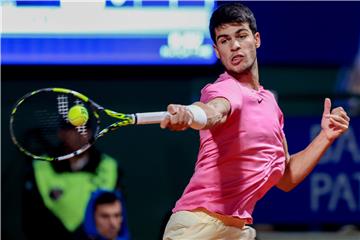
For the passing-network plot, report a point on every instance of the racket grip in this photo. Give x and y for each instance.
(150, 117)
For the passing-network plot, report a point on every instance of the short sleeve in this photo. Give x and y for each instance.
(224, 89)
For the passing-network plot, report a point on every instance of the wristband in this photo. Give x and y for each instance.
(199, 117)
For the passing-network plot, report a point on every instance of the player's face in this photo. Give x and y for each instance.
(236, 46)
(108, 219)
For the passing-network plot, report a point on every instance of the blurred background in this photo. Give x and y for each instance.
(137, 56)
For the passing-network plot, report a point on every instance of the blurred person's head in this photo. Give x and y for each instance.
(108, 215)
(72, 138)
(234, 32)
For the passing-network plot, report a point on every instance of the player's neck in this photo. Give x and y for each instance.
(249, 77)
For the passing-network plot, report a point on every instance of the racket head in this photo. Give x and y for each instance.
(39, 126)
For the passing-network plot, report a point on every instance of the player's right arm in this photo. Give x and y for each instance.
(198, 115)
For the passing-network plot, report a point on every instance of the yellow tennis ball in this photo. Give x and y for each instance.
(78, 115)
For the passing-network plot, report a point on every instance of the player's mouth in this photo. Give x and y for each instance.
(235, 60)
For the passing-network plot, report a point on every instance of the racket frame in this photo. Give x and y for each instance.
(125, 119)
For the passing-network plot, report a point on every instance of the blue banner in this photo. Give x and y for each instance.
(331, 193)
(107, 32)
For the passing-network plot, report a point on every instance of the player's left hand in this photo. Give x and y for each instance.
(334, 123)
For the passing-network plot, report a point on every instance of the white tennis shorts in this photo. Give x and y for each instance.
(187, 225)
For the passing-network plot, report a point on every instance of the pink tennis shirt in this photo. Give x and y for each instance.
(239, 161)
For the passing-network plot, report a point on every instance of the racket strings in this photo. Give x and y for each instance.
(63, 106)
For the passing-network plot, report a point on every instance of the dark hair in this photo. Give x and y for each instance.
(104, 198)
(231, 13)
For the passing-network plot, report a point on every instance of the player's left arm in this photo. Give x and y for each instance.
(299, 165)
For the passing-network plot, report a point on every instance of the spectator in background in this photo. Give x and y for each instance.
(105, 217)
(56, 193)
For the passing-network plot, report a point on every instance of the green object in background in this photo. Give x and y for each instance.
(74, 188)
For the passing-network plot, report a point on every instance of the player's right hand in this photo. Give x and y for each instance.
(179, 118)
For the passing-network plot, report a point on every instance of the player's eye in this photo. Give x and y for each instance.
(223, 41)
(242, 36)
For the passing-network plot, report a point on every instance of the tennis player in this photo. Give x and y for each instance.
(243, 150)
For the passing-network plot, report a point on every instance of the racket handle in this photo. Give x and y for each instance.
(150, 117)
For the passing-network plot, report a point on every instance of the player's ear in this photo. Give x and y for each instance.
(257, 39)
(216, 51)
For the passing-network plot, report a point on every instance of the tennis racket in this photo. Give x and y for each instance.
(40, 128)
